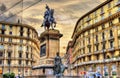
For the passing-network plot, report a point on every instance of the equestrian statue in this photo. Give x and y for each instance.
(49, 19)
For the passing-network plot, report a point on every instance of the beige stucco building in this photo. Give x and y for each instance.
(96, 40)
(19, 48)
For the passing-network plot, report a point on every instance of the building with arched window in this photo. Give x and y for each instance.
(96, 40)
(19, 48)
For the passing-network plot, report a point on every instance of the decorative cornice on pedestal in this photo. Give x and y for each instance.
(51, 33)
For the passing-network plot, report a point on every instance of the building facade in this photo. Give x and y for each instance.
(19, 48)
(69, 57)
(96, 40)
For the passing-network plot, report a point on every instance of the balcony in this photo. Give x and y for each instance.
(9, 48)
(96, 43)
(20, 49)
(98, 61)
(103, 50)
(111, 38)
(97, 52)
(102, 13)
(111, 49)
(89, 45)
(81, 55)
(88, 19)
(103, 41)
(89, 53)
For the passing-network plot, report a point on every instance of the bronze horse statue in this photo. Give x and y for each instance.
(49, 19)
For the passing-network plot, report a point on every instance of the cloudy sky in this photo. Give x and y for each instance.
(67, 12)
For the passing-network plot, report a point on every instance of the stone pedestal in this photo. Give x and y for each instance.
(49, 46)
(50, 39)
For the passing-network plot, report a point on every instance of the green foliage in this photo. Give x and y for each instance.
(114, 73)
(7, 75)
(106, 73)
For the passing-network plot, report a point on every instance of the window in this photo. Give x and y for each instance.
(110, 23)
(110, 13)
(89, 58)
(118, 8)
(88, 40)
(21, 31)
(26, 55)
(20, 62)
(111, 33)
(89, 48)
(83, 50)
(0, 61)
(103, 46)
(10, 40)
(2, 39)
(109, 5)
(119, 19)
(27, 48)
(96, 29)
(28, 33)
(102, 11)
(21, 41)
(2, 32)
(9, 61)
(31, 62)
(97, 47)
(21, 28)
(103, 36)
(96, 20)
(95, 13)
(31, 49)
(84, 59)
(96, 37)
(10, 27)
(102, 17)
(20, 55)
(27, 62)
(1, 47)
(103, 26)
(97, 57)
(20, 48)
(10, 32)
(1, 54)
(9, 54)
(83, 42)
(111, 44)
(3, 27)
(31, 55)
(88, 32)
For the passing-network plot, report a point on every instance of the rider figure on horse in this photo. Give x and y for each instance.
(48, 18)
